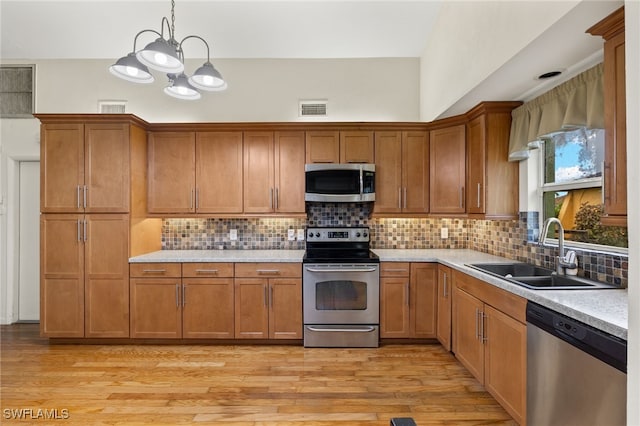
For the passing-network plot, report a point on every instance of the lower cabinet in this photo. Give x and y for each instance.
(408, 300)
(490, 339)
(268, 301)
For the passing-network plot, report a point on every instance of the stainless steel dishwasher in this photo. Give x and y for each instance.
(576, 374)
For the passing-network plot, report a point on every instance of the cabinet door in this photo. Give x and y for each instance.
(219, 172)
(505, 363)
(171, 172)
(447, 170)
(415, 172)
(424, 287)
(394, 307)
(106, 277)
(615, 172)
(476, 165)
(356, 146)
(156, 308)
(468, 342)
(285, 310)
(207, 308)
(388, 154)
(323, 147)
(251, 308)
(444, 307)
(61, 276)
(289, 172)
(107, 170)
(61, 168)
(259, 191)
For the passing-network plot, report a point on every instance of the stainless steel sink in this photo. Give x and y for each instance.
(537, 278)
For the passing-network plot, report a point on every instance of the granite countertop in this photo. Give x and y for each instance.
(606, 310)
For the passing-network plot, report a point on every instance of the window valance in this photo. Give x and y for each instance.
(578, 102)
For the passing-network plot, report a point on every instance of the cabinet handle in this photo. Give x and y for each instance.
(177, 295)
(405, 198)
(483, 336)
(79, 237)
(276, 198)
(399, 197)
(266, 295)
(197, 198)
(268, 271)
(184, 295)
(206, 271)
(85, 231)
(78, 196)
(154, 271)
(271, 296)
(408, 293)
(477, 325)
(394, 270)
(462, 197)
(271, 198)
(191, 200)
(444, 290)
(84, 202)
(478, 203)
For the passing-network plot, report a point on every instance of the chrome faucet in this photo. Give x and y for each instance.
(564, 262)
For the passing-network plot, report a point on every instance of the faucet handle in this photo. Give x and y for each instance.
(570, 260)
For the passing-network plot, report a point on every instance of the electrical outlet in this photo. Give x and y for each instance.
(291, 234)
(300, 233)
(444, 233)
(233, 234)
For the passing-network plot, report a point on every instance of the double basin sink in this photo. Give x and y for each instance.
(537, 278)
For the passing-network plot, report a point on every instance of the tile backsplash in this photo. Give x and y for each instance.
(513, 239)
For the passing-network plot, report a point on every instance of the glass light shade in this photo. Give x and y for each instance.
(161, 56)
(130, 69)
(208, 78)
(181, 89)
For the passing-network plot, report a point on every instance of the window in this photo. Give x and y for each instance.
(571, 187)
(16, 91)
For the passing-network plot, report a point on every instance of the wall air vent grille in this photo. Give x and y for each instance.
(112, 107)
(315, 108)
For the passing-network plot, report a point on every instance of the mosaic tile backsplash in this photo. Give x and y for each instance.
(513, 239)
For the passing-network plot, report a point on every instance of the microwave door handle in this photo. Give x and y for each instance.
(361, 183)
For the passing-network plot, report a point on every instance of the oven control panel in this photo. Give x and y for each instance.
(359, 234)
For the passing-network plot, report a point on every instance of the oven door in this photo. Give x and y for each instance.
(341, 294)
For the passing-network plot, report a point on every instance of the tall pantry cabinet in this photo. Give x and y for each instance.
(86, 164)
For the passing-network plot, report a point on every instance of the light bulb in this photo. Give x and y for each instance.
(160, 58)
(132, 71)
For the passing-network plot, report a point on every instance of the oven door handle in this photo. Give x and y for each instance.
(340, 269)
(349, 330)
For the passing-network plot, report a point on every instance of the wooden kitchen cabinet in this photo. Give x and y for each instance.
(612, 29)
(268, 301)
(408, 300)
(492, 181)
(489, 332)
(274, 172)
(195, 172)
(402, 172)
(347, 146)
(447, 168)
(84, 275)
(84, 167)
(443, 324)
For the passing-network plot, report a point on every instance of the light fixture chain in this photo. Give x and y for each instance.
(173, 18)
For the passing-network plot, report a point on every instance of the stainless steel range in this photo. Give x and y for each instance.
(340, 289)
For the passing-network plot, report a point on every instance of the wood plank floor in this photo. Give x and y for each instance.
(236, 385)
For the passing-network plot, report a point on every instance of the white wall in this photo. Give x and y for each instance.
(486, 34)
(259, 90)
(632, 62)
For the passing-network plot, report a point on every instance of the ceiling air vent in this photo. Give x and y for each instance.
(112, 107)
(312, 108)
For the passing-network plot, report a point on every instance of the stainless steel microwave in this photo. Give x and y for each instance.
(340, 183)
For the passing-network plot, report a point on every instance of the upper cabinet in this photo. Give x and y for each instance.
(492, 181)
(402, 172)
(349, 146)
(447, 169)
(85, 167)
(611, 29)
(274, 172)
(193, 172)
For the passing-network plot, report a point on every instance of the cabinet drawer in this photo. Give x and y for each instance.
(210, 269)
(394, 269)
(268, 270)
(155, 270)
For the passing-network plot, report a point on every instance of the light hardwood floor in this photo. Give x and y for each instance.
(237, 385)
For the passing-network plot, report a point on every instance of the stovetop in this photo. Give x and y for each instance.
(339, 245)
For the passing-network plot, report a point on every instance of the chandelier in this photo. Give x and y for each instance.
(166, 55)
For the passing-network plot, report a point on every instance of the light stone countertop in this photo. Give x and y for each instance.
(606, 310)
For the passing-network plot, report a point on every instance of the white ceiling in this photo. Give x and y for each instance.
(79, 29)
